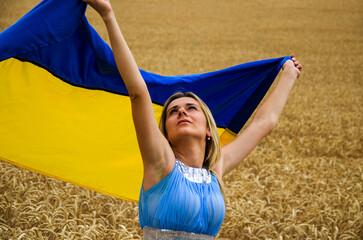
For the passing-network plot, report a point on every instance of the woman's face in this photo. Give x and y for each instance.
(184, 116)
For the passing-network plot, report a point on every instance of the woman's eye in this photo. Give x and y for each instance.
(192, 107)
(172, 111)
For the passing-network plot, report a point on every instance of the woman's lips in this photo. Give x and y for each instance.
(184, 121)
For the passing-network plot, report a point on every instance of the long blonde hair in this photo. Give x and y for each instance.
(213, 146)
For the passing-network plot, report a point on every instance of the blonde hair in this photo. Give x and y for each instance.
(213, 146)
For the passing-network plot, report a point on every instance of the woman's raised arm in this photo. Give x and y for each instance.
(155, 149)
(263, 122)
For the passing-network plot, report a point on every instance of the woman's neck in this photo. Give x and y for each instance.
(191, 153)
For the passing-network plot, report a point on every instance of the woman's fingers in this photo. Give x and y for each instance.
(103, 7)
(297, 64)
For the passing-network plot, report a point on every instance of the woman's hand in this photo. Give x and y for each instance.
(103, 7)
(293, 65)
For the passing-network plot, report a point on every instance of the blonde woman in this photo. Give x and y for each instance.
(183, 160)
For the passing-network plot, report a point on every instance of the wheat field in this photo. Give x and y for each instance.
(303, 181)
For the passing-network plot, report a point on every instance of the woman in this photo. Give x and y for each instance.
(183, 161)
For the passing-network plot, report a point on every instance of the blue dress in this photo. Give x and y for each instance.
(187, 199)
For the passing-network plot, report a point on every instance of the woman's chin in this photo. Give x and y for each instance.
(186, 134)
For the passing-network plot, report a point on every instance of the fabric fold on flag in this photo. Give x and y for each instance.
(65, 111)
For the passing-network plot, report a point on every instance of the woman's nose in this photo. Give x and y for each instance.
(181, 112)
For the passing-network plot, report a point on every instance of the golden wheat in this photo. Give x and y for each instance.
(303, 181)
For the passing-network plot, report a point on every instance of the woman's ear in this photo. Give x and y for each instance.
(209, 135)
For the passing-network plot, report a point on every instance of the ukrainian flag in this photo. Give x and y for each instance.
(65, 111)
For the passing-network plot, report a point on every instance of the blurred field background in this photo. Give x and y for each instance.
(303, 181)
